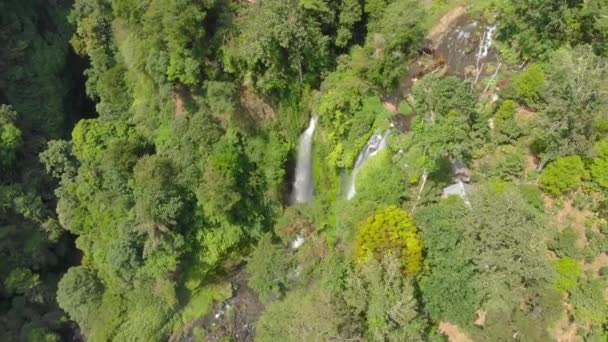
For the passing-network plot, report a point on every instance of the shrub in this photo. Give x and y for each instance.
(390, 231)
(589, 303)
(563, 175)
(564, 244)
(568, 271)
(530, 83)
(599, 168)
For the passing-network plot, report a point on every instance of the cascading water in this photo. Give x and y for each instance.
(486, 42)
(375, 143)
(303, 183)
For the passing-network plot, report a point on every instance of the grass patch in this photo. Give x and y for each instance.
(200, 302)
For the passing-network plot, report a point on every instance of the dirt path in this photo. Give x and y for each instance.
(452, 332)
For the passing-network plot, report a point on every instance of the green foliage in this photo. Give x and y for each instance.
(10, 136)
(91, 136)
(184, 153)
(564, 243)
(536, 28)
(270, 52)
(158, 199)
(507, 129)
(21, 281)
(568, 272)
(381, 181)
(563, 175)
(392, 40)
(506, 163)
(296, 220)
(34, 75)
(58, 159)
(589, 302)
(301, 316)
(530, 83)
(533, 196)
(42, 335)
(599, 168)
(201, 301)
(447, 106)
(377, 293)
(79, 294)
(268, 268)
(447, 284)
(390, 231)
(574, 98)
(351, 13)
(436, 96)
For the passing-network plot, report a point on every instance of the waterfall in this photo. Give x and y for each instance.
(303, 183)
(375, 143)
(486, 42)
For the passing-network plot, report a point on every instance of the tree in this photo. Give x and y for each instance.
(270, 51)
(504, 238)
(223, 175)
(530, 83)
(436, 96)
(79, 294)
(447, 106)
(304, 315)
(377, 292)
(575, 99)
(10, 136)
(390, 231)
(448, 282)
(506, 128)
(21, 281)
(58, 159)
(267, 269)
(91, 136)
(157, 198)
(392, 40)
(535, 28)
(563, 175)
(351, 13)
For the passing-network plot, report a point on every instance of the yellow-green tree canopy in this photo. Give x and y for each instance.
(390, 231)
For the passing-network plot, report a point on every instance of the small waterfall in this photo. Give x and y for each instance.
(297, 242)
(376, 143)
(303, 183)
(486, 43)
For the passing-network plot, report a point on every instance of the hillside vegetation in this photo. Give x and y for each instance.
(164, 212)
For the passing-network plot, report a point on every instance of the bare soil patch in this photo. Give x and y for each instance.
(453, 333)
(565, 330)
(178, 102)
(599, 262)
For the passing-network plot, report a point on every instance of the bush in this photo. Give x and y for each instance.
(267, 269)
(564, 244)
(530, 83)
(599, 168)
(506, 163)
(589, 303)
(390, 231)
(533, 196)
(568, 271)
(563, 175)
(506, 127)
